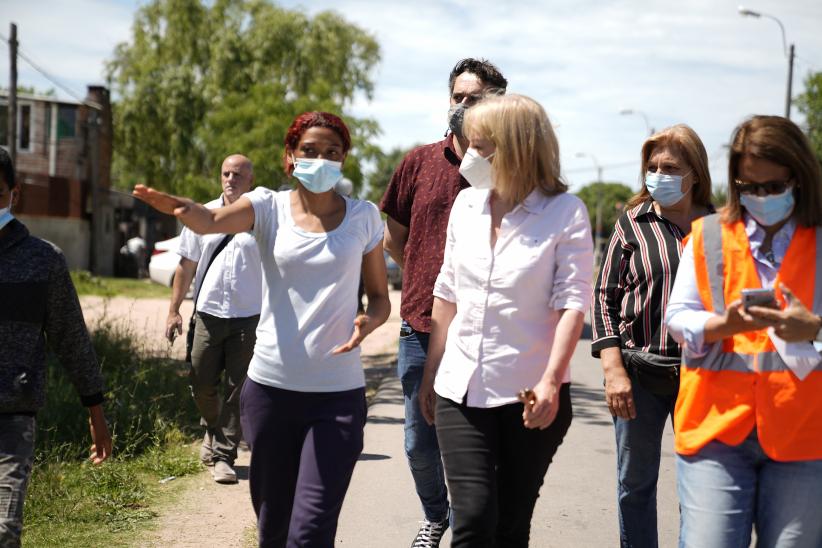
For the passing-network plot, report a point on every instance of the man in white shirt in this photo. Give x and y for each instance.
(227, 273)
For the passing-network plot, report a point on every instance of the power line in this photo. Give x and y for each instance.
(51, 78)
(603, 167)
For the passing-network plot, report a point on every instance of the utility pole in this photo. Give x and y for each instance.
(12, 117)
(93, 124)
(790, 83)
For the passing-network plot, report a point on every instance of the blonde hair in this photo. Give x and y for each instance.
(527, 152)
(686, 143)
(780, 141)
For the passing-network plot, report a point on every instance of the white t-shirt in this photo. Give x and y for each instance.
(309, 295)
(232, 287)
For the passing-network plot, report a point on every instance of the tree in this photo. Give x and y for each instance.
(200, 80)
(810, 104)
(611, 197)
(385, 164)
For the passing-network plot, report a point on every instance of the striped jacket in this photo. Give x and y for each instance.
(635, 282)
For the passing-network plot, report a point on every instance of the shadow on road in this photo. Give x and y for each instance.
(373, 456)
(589, 405)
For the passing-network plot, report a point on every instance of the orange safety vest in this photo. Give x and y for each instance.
(742, 382)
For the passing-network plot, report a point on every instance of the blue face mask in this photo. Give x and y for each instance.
(316, 174)
(768, 210)
(666, 190)
(5, 216)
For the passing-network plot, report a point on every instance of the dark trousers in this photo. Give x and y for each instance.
(304, 446)
(495, 467)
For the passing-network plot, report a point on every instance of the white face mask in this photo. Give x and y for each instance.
(316, 174)
(477, 170)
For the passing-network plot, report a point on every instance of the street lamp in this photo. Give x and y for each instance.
(627, 111)
(596, 164)
(789, 52)
(598, 241)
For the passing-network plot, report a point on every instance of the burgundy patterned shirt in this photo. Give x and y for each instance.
(419, 196)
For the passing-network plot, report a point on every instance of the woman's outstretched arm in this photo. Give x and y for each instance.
(231, 219)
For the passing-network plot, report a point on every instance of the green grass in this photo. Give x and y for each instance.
(88, 284)
(75, 504)
(152, 419)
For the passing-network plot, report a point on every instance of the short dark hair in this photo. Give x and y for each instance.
(6, 169)
(484, 69)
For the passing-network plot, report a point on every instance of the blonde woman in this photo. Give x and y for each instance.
(508, 312)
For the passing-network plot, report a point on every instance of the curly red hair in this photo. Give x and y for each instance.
(308, 120)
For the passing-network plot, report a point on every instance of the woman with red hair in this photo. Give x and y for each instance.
(303, 404)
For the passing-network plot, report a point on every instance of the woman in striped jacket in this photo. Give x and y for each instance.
(639, 358)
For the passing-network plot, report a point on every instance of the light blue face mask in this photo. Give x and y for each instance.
(768, 210)
(666, 190)
(316, 174)
(5, 216)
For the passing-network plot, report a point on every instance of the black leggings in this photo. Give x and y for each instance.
(495, 467)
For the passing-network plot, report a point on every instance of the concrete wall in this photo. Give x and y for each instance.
(71, 235)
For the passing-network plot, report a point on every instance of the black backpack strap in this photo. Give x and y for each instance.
(220, 247)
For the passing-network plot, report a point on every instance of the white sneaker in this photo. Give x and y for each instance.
(223, 472)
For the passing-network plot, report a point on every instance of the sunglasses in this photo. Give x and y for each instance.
(769, 187)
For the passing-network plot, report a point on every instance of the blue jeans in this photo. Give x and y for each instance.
(639, 443)
(421, 445)
(16, 456)
(725, 490)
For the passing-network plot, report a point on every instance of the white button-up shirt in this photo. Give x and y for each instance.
(509, 298)
(232, 287)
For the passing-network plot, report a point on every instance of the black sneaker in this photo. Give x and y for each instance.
(430, 534)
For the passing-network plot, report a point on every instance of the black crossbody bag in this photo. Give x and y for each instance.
(191, 322)
(657, 374)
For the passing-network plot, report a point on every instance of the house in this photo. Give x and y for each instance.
(63, 165)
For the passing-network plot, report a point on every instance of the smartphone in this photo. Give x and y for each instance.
(758, 297)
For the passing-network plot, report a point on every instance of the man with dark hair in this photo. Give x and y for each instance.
(228, 281)
(418, 201)
(38, 302)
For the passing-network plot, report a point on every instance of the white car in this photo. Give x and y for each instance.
(164, 261)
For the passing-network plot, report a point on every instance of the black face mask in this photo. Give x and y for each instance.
(456, 115)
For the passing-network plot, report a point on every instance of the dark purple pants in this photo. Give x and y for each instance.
(304, 446)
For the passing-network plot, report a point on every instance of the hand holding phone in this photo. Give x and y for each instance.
(759, 297)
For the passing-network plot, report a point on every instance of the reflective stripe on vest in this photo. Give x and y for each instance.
(741, 382)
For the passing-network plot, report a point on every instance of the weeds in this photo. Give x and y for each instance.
(151, 416)
(89, 284)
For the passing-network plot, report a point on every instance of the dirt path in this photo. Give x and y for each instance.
(205, 513)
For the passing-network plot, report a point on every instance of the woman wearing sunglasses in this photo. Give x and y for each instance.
(749, 412)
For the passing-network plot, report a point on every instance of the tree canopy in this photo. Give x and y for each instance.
(200, 80)
(384, 165)
(810, 104)
(611, 196)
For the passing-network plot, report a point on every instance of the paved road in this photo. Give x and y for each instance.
(576, 507)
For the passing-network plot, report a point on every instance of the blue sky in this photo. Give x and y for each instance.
(698, 62)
